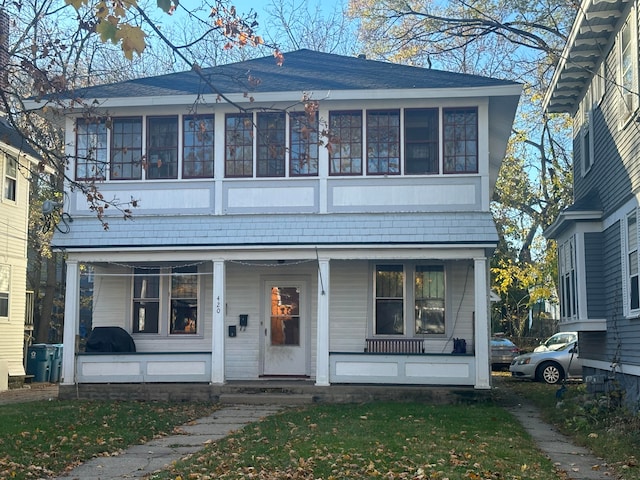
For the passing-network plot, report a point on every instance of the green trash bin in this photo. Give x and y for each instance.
(39, 357)
(56, 363)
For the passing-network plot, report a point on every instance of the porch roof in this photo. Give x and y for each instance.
(251, 231)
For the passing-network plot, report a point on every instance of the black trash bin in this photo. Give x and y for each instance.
(39, 361)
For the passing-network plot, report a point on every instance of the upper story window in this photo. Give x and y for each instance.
(5, 282)
(91, 149)
(567, 262)
(126, 148)
(303, 144)
(414, 141)
(586, 131)
(460, 140)
(628, 66)
(162, 147)
(238, 151)
(10, 178)
(271, 128)
(345, 153)
(383, 142)
(197, 146)
(421, 129)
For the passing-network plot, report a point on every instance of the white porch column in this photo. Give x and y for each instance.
(482, 323)
(71, 315)
(217, 328)
(322, 347)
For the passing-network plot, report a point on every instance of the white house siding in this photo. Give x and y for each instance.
(350, 302)
(460, 309)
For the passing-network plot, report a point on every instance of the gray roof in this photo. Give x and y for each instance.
(303, 70)
(280, 231)
(10, 136)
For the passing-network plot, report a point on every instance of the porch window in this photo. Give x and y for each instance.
(126, 148)
(162, 147)
(5, 281)
(389, 302)
(10, 178)
(184, 301)
(91, 149)
(146, 300)
(197, 146)
(303, 145)
(460, 140)
(238, 152)
(271, 133)
(345, 143)
(429, 300)
(633, 282)
(421, 141)
(567, 272)
(383, 142)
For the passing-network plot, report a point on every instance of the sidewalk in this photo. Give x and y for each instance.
(141, 460)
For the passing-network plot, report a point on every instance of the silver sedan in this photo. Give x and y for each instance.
(551, 366)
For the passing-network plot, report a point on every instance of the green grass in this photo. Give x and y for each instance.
(595, 421)
(40, 439)
(387, 440)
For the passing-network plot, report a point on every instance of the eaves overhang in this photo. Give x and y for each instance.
(567, 218)
(595, 24)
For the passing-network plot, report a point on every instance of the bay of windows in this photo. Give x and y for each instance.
(409, 299)
(165, 301)
(412, 141)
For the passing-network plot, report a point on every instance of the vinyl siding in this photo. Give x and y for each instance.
(594, 278)
(13, 245)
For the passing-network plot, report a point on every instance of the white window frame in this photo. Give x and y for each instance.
(10, 178)
(586, 132)
(630, 255)
(164, 306)
(568, 279)
(5, 289)
(628, 99)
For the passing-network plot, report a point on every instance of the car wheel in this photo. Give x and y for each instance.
(550, 372)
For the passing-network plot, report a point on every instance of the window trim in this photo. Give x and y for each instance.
(6, 268)
(476, 141)
(568, 279)
(10, 187)
(628, 99)
(627, 250)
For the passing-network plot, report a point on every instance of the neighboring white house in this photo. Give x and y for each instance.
(262, 249)
(16, 161)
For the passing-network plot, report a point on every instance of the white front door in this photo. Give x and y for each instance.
(285, 329)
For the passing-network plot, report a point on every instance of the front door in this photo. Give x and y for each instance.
(285, 328)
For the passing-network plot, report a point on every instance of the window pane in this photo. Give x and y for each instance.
(389, 300)
(91, 149)
(184, 301)
(429, 300)
(271, 144)
(383, 142)
(126, 149)
(421, 141)
(303, 144)
(345, 143)
(146, 301)
(460, 140)
(198, 146)
(11, 177)
(285, 316)
(162, 147)
(238, 145)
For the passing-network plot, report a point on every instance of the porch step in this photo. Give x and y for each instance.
(265, 399)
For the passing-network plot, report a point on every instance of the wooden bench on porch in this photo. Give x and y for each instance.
(394, 345)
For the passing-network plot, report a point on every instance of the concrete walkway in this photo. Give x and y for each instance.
(141, 460)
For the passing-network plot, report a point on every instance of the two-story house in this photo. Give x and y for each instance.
(347, 242)
(596, 81)
(17, 159)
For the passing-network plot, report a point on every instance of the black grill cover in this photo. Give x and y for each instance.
(110, 339)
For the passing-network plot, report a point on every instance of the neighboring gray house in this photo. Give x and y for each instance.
(596, 82)
(262, 250)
